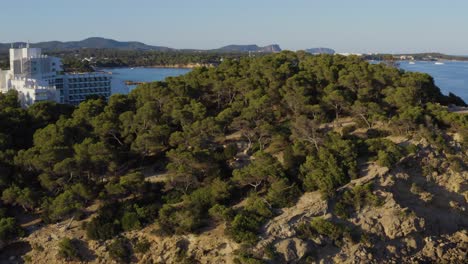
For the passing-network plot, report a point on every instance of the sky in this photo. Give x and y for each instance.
(358, 26)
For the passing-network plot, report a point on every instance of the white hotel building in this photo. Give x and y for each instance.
(39, 77)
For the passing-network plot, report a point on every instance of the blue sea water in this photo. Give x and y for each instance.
(452, 76)
(145, 74)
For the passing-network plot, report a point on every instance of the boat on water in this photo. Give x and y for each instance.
(439, 63)
(412, 62)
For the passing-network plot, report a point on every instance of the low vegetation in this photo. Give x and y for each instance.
(67, 250)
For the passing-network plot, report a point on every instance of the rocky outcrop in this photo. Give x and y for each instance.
(422, 218)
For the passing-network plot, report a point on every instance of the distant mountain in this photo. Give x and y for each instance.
(249, 48)
(95, 43)
(103, 43)
(321, 51)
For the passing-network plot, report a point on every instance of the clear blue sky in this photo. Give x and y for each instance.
(345, 25)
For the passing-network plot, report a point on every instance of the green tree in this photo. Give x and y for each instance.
(263, 170)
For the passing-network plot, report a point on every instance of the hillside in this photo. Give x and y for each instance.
(95, 43)
(320, 51)
(249, 48)
(281, 158)
(103, 43)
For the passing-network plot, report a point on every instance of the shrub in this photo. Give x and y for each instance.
(334, 231)
(457, 164)
(130, 221)
(245, 255)
(230, 151)
(104, 226)
(282, 194)
(177, 220)
(146, 213)
(244, 227)
(68, 250)
(142, 246)
(258, 206)
(412, 149)
(9, 229)
(17, 196)
(385, 159)
(387, 152)
(354, 199)
(319, 226)
(27, 259)
(119, 250)
(63, 205)
(82, 191)
(132, 182)
(269, 251)
(98, 230)
(220, 213)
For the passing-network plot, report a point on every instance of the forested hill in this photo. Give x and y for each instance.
(220, 152)
(249, 48)
(89, 43)
(104, 43)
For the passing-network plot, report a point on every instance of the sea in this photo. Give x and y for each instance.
(141, 74)
(451, 76)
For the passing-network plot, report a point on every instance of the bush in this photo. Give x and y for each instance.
(387, 152)
(244, 227)
(177, 220)
(230, 151)
(245, 255)
(119, 250)
(104, 226)
(258, 206)
(68, 250)
(99, 230)
(221, 213)
(9, 229)
(269, 251)
(334, 231)
(457, 164)
(319, 226)
(282, 194)
(355, 199)
(385, 159)
(130, 221)
(142, 246)
(63, 205)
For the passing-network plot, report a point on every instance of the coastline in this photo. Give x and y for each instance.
(168, 66)
(180, 66)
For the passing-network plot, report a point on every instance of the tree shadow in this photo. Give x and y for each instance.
(85, 253)
(13, 252)
(439, 215)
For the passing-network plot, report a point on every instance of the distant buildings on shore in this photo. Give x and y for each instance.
(37, 77)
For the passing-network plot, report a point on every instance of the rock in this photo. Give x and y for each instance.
(426, 196)
(400, 223)
(411, 243)
(292, 249)
(391, 249)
